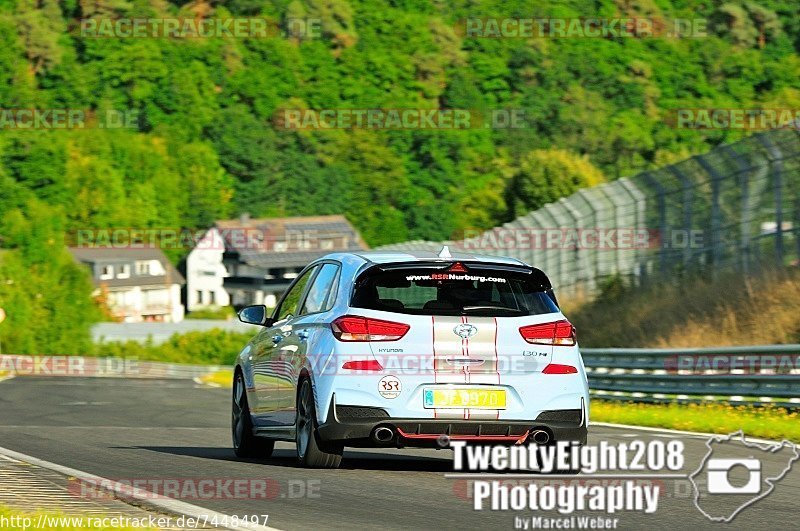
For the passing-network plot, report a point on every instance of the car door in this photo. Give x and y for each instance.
(273, 375)
(301, 332)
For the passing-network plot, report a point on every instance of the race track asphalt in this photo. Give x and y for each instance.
(160, 430)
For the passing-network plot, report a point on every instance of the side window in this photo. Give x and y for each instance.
(333, 292)
(289, 305)
(319, 290)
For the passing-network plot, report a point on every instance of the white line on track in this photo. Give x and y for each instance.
(90, 427)
(668, 431)
(142, 496)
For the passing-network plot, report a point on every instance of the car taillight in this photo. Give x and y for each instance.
(356, 328)
(555, 368)
(362, 365)
(556, 333)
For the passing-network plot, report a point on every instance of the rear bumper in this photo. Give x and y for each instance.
(354, 426)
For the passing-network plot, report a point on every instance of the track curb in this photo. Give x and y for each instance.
(143, 497)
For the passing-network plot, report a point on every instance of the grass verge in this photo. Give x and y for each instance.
(213, 347)
(225, 379)
(217, 379)
(13, 520)
(762, 422)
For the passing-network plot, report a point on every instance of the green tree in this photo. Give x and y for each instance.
(545, 176)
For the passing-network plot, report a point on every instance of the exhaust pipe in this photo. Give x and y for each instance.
(382, 434)
(540, 437)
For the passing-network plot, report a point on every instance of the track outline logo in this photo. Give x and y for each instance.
(707, 461)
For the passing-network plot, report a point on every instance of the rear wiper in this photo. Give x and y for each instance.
(506, 309)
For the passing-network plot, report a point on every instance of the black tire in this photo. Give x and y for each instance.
(245, 444)
(311, 452)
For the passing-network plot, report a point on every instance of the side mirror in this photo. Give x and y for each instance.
(256, 315)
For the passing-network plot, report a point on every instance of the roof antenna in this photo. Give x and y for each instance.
(445, 252)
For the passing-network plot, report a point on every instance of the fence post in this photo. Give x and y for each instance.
(555, 223)
(593, 263)
(615, 208)
(747, 208)
(542, 258)
(686, 186)
(638, 202)
(715, 212)
(662, 219)
(776, 159)
(797, 226)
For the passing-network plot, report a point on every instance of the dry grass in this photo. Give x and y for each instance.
(732, 310)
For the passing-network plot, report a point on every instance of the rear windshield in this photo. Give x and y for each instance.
(485, 292)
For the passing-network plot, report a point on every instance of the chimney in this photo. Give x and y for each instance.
(244, 218)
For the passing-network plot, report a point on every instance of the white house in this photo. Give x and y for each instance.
(205, 273)
(252, 261)
(137, 284)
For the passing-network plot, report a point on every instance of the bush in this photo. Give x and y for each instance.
(212, 347)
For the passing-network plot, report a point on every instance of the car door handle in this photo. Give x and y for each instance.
(302, 335)
(277, 338)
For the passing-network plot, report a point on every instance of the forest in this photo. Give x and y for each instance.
(200, 141)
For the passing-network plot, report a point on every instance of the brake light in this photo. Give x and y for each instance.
(357, 328)
(362, 365)
(458, 267)
(556, 333)
(555, 368)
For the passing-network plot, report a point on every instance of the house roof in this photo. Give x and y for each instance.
(253, 239)
(114, 256)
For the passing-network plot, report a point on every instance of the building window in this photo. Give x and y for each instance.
(143, 267)
(279, 247)
(326, 244)
(124, 271)
(107, 272)
(212, 298)
(199, 297)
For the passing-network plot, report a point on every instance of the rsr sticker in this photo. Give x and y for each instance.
(390, 387)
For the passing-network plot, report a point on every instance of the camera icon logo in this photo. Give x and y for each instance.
(735, 473)
(718, 476)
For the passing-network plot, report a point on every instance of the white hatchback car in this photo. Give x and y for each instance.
(395, 349)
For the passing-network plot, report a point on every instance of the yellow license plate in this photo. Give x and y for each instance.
(465, 398)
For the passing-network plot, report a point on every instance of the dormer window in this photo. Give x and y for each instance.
(107, 272)
(143, 267)
(124, 271)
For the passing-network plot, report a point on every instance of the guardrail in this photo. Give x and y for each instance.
(739, 375)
